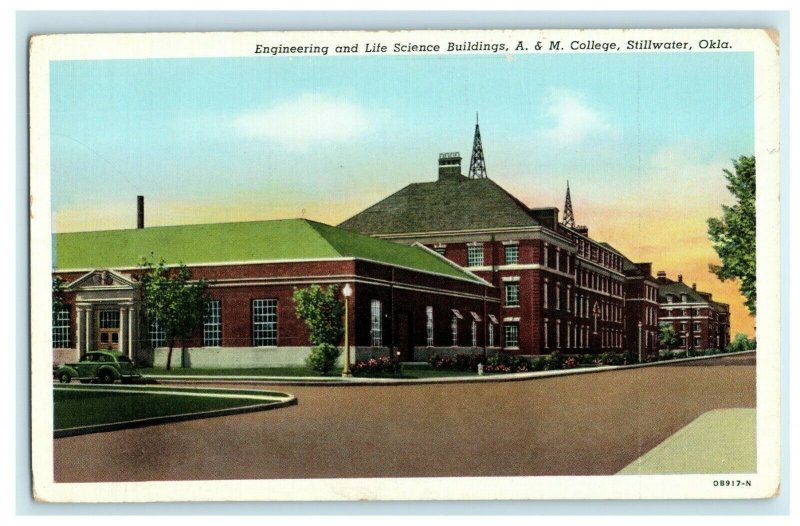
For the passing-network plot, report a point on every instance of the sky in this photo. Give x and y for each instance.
(641, 138)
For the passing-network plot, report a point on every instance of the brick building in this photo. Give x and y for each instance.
(404, 297)
(560, 289)
(698, 320)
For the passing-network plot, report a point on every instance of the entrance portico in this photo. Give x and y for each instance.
(106, 304)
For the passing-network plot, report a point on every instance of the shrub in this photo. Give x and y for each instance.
(323, 358)
(505, 363)
(629, 357)
(459, 362)
(741, 343)
(589, 359)
(569, 363)
(375, 366)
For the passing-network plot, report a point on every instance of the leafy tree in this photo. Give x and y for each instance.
(59, 302)
(668, 337)
(175, 300)
(322, 312)
(734, 234)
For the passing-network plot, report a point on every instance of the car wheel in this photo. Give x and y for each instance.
(106, 377)
(65, 378)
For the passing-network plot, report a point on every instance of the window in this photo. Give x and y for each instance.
(474, 329)
(696, 327)
(546, 330)
(545, 293)
(546, 254)
(439, 249)
(212, 324)
(512, 254)
(376, 332)
(558, 258)
(558, 334)
(429, 325)
(157, 334)
(475, 255)
(454, 330)
(265, 322)
(697, 341)
(512, 294)
(61, 328)
(511, 334)
(568, 299)
(491, 335)
(558, 296)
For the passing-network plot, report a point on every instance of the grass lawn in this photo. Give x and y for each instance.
(409, 372)
(77, 406)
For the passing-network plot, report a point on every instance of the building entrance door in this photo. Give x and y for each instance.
(108, 330)
(403, 342)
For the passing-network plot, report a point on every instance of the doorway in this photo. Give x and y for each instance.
(108, 330)
(404, 340)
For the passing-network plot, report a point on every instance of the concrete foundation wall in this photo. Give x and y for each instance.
(422, 354)
(62, 356)
(232, 357)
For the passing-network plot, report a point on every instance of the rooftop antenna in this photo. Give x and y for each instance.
(477, 165)
(569, 217)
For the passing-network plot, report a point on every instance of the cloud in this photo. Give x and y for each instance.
(307, 120)
(574, 120)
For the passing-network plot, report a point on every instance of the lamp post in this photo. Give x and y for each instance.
(347, 292)
(640, 342)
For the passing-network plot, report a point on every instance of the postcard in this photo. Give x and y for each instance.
(405, 265)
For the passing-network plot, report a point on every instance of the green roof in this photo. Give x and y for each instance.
(288, 239)
(445, 205)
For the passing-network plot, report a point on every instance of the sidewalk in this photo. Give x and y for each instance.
(343, 381)
(721, 441)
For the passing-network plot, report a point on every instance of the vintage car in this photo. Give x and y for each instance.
(101, 366)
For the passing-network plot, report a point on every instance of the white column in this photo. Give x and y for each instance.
(122, 323)
(130, 332)
(89, 316)
(79, 330)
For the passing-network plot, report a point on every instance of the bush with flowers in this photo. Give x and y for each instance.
(505, 363)
(375, 367)
(459, 362)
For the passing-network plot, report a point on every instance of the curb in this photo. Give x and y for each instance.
(144, 422)
(340, 382)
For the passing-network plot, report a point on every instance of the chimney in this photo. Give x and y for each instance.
(680, 278)
(661, 276)
(694, 286)
(449, 165)
(139, 211)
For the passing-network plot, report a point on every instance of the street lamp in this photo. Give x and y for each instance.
(347, 291)
(640, 342)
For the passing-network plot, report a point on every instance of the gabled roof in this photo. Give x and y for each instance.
(677, 288)
(288, 239)
(445, 205)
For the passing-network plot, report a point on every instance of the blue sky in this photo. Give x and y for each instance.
(297, 131)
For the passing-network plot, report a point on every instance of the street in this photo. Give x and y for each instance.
(587, 424)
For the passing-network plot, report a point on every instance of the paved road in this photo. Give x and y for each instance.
(573, 425)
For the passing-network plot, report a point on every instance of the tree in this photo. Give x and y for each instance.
(322, 312)
(734, 234)
(667, 337)
(175, 300)
(59, 302)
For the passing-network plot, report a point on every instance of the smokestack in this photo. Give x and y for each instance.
(139, 211)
